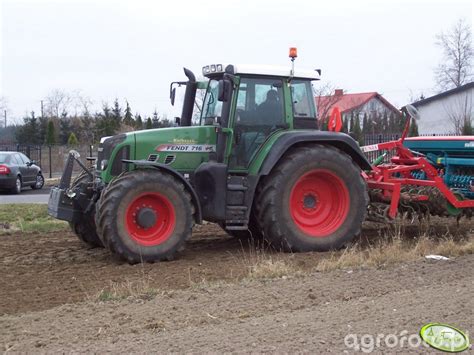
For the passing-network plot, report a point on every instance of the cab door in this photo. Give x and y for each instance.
(260, 111)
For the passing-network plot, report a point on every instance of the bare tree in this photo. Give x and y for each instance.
(326, 97)
(82, 103)
(459, 111)
(456, 66)
(57, 103)
(3, 108)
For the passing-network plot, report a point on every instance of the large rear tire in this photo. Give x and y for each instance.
(145, 216)
(85, 229)
(314, 200)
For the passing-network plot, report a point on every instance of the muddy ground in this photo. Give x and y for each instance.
(54, 298)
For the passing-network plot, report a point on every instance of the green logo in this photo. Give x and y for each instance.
(444, 337)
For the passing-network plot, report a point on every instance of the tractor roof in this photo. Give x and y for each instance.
(265, 70)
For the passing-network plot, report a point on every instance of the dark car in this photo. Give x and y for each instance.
(17, 171)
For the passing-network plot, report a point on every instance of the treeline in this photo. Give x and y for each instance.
(376, 123)
(64, 128)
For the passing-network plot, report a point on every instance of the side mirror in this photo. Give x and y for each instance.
(177, 120)
(225, 89)
(172, 96)
(413, 112)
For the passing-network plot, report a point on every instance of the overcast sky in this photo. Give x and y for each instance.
(133, 49)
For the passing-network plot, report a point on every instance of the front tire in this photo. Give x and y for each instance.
(38, 185)
(145, 216)
(85, 229)
(314, 200)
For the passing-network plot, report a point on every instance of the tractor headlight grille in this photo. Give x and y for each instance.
(106, 148)
(117, 165)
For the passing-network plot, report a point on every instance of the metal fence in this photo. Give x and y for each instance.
(34, 152)
(51, 159)
(370, 139)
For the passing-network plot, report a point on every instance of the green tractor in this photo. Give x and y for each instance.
(255, 163)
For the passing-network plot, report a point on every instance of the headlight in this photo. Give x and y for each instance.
(103, 164)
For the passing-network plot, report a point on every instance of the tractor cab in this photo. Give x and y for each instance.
(249, 104)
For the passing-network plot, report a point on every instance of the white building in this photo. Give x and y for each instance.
(446, 113)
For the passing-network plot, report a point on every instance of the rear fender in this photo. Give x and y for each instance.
(293, 139)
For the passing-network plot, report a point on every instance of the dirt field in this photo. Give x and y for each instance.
(57, 295)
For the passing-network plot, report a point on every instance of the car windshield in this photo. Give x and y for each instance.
(4, 158)
(211, 108)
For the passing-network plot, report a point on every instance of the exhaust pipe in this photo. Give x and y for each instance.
(189, 97)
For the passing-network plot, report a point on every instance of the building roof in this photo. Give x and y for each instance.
(444, 94)
(270, 70)
(349, 102)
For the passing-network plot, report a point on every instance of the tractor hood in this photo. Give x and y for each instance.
(183, 148)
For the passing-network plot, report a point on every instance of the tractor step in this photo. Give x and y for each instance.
(236, 187)
(237, 208)
(232, 226)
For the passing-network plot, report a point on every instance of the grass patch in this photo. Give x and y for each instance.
(271, 269)
(28, 217)
(391, 250)
(261, 263)
(140, 289)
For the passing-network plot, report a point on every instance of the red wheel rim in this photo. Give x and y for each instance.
(164, 223)
(319, 203)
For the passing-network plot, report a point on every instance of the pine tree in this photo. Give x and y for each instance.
(87, 128)
(128, 117)
(385, 127)
(375, 123)
(72, 140)
(155, 120)
(345, 122)
(51, 134)
(351, 123)
(28, 132)
(116, 115)
(64, 129)
(34, 129)
(148, 124)
(365, 125)
(467, 128)
(357, 133)
(413, 131)
(43, 129)
(138, 122)
(106, 123)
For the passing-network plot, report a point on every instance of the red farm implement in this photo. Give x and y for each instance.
(411, 183)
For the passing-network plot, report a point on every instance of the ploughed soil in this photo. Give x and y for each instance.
(54, 296)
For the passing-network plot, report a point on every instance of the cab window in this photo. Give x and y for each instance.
(303, 101)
